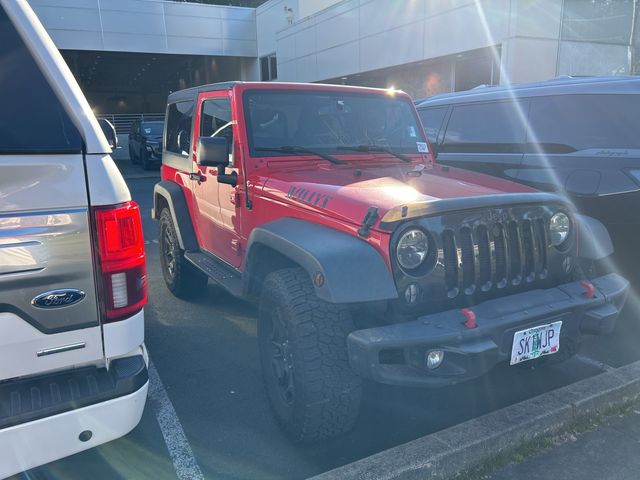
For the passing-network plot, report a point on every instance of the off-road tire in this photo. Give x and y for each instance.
(325, 393)
(144, 160)
(182, 278)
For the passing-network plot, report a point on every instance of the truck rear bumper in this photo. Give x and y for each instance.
(43, 418)
(395, 354)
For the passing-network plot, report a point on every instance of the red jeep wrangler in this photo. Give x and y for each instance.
(368, 260)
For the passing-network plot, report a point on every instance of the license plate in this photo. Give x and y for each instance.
(535, 342)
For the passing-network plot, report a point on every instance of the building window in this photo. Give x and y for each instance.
(268, 68)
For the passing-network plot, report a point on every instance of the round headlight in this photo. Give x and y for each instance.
(559, 228)
(413, 248)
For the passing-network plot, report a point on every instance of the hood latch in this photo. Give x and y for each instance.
(368, 222)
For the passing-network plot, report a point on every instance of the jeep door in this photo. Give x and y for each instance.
(49, 316)
(219, 222)
(487, 137)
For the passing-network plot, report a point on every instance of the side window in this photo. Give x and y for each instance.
(432, 121)
(215, 121)
(569, 123)
(179, 119)
(32, 119)
(497, 127)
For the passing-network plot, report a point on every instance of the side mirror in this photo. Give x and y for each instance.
(213, 152)
(109, 131)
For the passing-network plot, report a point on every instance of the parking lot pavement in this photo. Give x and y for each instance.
(205, 354)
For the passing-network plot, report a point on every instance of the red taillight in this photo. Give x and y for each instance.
(121, 258)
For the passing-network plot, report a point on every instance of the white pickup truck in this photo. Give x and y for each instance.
(73, 366)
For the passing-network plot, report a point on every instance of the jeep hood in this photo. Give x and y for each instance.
(347, 192)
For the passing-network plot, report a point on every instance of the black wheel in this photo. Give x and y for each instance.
(182, 278)
(144, 159)
(302, 339)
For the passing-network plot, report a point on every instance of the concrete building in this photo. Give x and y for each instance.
(127, 54)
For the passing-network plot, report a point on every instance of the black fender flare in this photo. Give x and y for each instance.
(352, 270)
(172, 193)
(594, 242)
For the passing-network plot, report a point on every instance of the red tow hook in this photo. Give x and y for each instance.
(470, 316)
(589, 289)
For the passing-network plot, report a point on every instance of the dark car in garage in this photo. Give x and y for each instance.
(145, 143)
(579, 137)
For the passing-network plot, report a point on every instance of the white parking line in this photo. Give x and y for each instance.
(184, 462)
(595, 363)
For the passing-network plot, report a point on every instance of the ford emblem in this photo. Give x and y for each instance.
(58, 298)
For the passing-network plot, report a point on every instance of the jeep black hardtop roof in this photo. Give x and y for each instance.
(555, 86)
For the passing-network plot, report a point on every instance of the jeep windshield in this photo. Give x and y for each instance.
(330, 123)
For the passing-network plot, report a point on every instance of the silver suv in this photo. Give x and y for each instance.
(73, 366)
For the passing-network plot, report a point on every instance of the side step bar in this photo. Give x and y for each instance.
(27, 399)
(217, 270)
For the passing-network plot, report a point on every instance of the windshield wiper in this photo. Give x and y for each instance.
(374, 149)
(292, 149)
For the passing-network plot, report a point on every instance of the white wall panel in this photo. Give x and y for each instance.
(306, 69)
(133, 23)
(239, 29)
(381, 15)
(536, 18)
(406, 47)
(517, 54)
(338, 61)
(287, 70)
(286, 49)
(133, 42)
(89, 4)
(238, 48)
(437, 7)
(209, 46)
(338, 29)
(199, 27)
(71, 18)
(70, 39)
(151, 26)
(466, 28)
(311, 7)
(305, 41)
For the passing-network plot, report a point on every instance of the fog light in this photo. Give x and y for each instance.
(434, 359)
(412, 294)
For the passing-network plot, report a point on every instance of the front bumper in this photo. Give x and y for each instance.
(395, 354)
(154, 155)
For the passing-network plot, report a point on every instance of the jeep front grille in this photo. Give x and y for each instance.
(488, 257)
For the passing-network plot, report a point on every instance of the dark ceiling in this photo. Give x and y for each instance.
(117, 82)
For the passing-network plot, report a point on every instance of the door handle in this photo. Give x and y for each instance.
(196, 176)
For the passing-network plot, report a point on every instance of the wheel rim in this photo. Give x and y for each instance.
(169, 252)
(281, 357)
